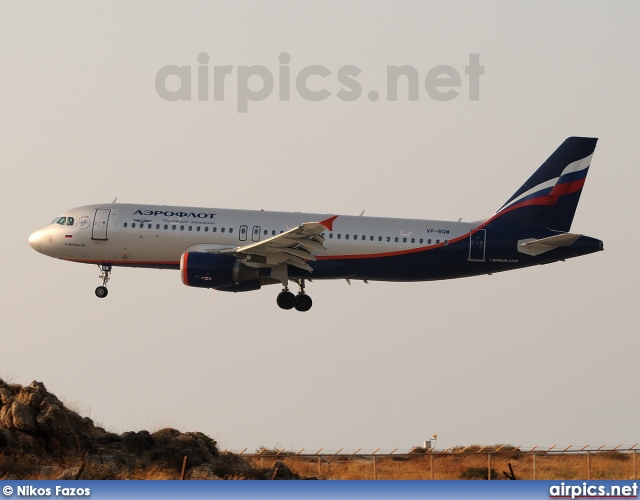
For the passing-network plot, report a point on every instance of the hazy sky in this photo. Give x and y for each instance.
(539, 356)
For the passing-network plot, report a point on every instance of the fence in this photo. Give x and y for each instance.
(496, 462)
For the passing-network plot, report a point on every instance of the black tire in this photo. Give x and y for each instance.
(102, 292)
(303, 303)
(286, 300)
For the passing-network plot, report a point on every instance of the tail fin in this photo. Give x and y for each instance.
(550, 197)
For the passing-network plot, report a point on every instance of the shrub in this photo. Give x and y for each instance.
(478, 473)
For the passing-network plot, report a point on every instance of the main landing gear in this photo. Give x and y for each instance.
(101, 291)
(287, 300)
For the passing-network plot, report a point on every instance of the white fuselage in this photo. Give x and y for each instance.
(157, 235)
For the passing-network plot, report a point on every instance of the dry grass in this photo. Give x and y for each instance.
(549, 466)
(605, 465)
(29, 468)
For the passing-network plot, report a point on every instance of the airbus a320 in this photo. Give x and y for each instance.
(243, 250)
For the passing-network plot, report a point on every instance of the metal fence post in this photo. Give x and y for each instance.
(588, 465)
(489, 466)
(635, 464)
(432, 467)
(534, 465)
(375, 465)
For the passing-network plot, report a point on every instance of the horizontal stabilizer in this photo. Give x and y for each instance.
(535, 247)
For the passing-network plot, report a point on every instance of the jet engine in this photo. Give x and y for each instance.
(222, 272)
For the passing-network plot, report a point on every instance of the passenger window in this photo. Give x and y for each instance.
(133, 224)
(222, 230)
(173, 227)
(266, 232)
(197, 228)
(388, 239)
(166, 227)
(273, 233)
(429, 241)
(371, 238)
(330, 236)
(69, 221)
(125, 224)
(404, 240)
(157, 226)
(214, 229)
(190, 228)
(421, 240)
(339, 236)
(413, 240)
(396, 239)
(346, 236)
(206, 229)
(379, 238)
(231, 230)
(437, 242)
(364, 237)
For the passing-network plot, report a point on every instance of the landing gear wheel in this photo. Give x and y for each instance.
(303, 302)
(101, 291)
(286, 300)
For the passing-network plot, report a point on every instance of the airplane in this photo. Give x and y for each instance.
(242, 250)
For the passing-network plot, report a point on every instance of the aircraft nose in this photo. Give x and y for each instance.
(34, 240)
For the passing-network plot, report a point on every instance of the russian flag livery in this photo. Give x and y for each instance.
(550, 196)
(232, 250)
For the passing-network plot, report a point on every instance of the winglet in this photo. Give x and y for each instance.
(328, 223)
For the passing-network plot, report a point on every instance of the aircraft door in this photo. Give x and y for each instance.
(255, 235)
(477, 245)
(243, 233)
(100, 224)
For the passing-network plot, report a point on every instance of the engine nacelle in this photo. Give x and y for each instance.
(224, 273)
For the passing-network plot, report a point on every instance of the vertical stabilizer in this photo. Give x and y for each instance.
(550, 196)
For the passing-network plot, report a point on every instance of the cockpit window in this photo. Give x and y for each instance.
(63, 221)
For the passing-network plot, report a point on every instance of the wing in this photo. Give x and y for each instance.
(295, 247)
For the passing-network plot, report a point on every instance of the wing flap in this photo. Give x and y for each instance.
(299, 253)
(295, 247)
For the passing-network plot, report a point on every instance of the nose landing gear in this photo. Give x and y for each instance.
(287, 300)
(101, 291)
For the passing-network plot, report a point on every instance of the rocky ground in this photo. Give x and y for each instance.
(40, 438)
